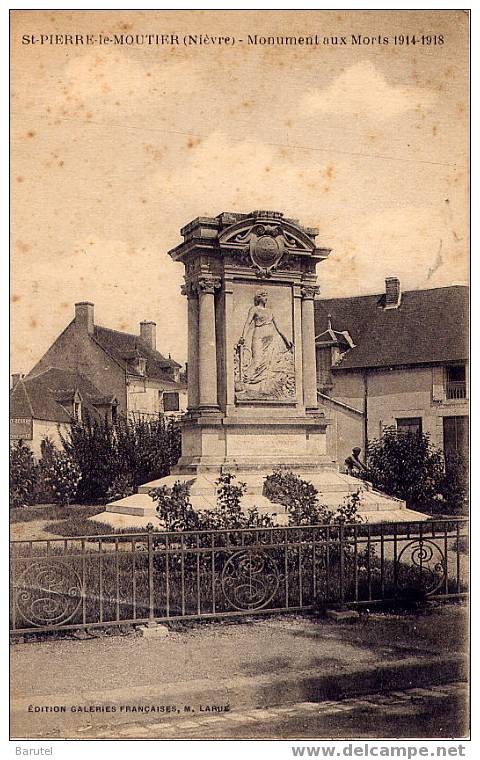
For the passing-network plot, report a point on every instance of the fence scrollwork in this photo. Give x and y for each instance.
(426, 565)
(250, 579)
(48, 592)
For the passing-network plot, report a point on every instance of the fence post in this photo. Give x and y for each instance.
(150, 574)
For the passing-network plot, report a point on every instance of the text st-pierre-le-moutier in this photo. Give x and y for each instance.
(212, 40)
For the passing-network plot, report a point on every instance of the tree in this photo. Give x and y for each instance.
(407, 466)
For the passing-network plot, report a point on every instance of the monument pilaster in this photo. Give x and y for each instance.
(193, 345)
(308, 347)
(207, 353)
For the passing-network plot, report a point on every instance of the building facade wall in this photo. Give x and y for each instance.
(347, 430)
(46, 429)
(393, 394)
(145, 397)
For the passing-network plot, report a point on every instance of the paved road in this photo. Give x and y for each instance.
(436, 712)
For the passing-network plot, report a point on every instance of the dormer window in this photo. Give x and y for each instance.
(330, 347)
(140, 365)
(77, 411)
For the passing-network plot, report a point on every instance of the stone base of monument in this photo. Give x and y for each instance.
(138, 510)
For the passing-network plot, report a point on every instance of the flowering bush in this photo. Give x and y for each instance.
(61, 476)
(122, 486)
(301, 500)
(23, 475)
(176, 512)
(407, 466)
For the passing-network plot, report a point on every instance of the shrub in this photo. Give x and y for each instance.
(298, 496)
(61, 476)
(454, 486)
(23, 475)
(228, 512)
(407, 466)
(93, 448)
(174, 508)
(176, 512)
(348, 511)
(116, 458)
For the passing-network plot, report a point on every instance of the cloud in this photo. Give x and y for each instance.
(363, 91)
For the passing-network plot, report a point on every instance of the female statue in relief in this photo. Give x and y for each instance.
(266, 354)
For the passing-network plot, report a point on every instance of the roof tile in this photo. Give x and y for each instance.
(429, 326)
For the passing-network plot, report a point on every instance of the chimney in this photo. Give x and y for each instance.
(16, 377)
(148, 334)
(84, 316)
(393, 294)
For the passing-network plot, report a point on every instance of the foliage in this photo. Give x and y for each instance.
(93, 447)
(23, 475)
(348, 511)
(176, 512)
(116, 459)
(174, 508)
(121, 487)
(61, 476)
(454, 487)
(407, 466)
(301, 500)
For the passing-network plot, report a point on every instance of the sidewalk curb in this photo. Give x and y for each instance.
(239, 693)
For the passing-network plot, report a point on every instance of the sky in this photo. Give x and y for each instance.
(114, 149)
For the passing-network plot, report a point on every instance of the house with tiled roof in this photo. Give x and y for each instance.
(45, 405)
(111, 372)
(395, 359)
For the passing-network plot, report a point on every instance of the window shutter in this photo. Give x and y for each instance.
(438, 389)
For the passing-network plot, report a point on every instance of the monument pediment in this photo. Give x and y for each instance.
(262, 239)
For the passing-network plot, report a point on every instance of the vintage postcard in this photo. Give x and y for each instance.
(239, 398)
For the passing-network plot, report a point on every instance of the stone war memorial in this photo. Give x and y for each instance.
(250, 284)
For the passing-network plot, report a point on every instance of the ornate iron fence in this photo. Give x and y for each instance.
(70, 583)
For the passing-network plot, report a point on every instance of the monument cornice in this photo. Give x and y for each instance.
(264, 240)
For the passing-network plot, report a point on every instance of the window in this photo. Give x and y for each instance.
(455, 436)
(171, 401)
(77, 410)
(456, 382)
(409, 425)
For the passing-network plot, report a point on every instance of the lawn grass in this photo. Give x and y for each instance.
(54, 512)
(80, 525)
